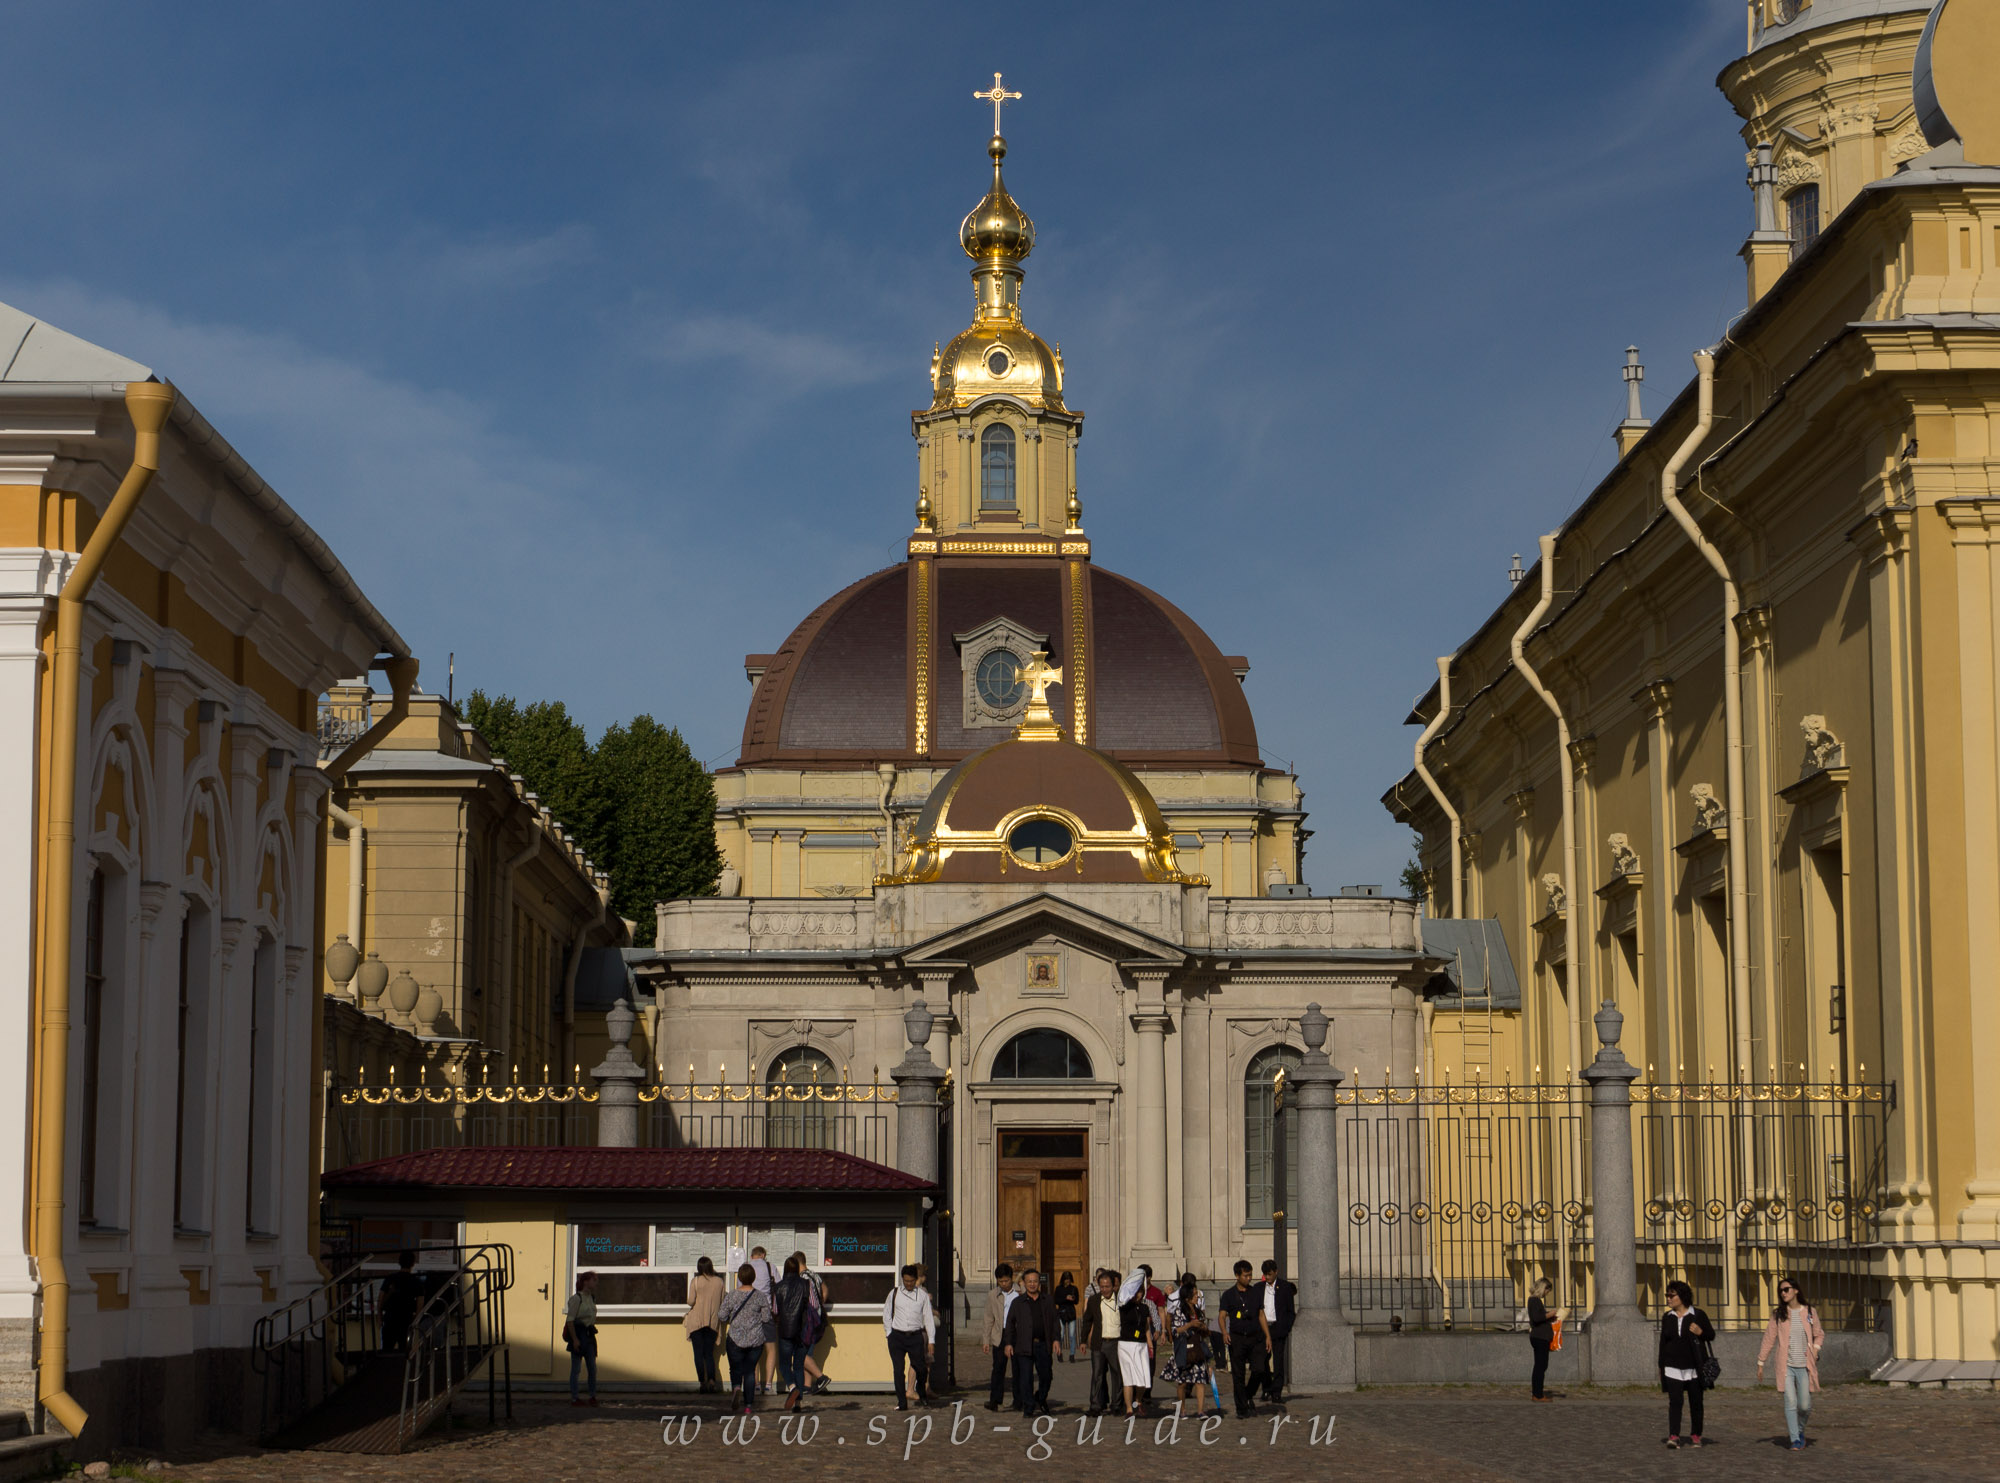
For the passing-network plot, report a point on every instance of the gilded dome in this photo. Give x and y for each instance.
(1000, 357)
(998, 354)
(1030, 809)
(997, 227)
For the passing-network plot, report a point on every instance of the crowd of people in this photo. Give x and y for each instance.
(1131, 1331)
(1126, 1328)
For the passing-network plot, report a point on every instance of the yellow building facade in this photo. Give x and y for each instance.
(167, 623)
(1727, 757)
(458, 911)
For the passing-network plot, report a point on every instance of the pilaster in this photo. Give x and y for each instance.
(1883, 540)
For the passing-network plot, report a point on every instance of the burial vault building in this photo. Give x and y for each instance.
(1028, 791)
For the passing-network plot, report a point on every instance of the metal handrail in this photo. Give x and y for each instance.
(306, 1350)
(460, 1327)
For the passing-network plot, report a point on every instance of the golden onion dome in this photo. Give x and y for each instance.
(997, 227)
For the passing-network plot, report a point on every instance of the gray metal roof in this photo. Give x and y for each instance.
(32, 349)
(1476, 957)
(1831, 12)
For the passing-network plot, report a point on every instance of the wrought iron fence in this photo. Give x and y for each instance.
(369, 1122)
(1738, 1186)
(1456, 1198)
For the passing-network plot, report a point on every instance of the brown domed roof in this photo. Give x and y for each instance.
(841, 689)
(1110, 829)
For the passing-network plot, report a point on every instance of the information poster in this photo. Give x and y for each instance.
(780, 1242)
(683, 1246)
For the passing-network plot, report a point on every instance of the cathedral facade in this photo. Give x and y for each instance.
(1028, 792)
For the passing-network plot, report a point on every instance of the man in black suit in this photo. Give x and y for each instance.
(1281, 1309)
(1031, 1331)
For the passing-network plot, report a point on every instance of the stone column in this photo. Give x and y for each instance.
(1623, 1349)
(1150, 1020)
(917, 1079)
(618, 1078)
(1198, 1107)
(1323, 1356)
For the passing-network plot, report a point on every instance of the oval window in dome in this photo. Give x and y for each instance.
(999, 680)
(997, 362)
(1040, 842)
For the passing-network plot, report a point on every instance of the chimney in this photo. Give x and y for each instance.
(1768, 250)
(1636, 425)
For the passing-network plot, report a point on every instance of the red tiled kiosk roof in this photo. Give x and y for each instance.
(682, 1169)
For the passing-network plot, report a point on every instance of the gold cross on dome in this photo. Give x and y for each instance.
(996, 95)
(1039, 675)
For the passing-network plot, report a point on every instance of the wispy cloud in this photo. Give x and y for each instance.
(496, 260)
(785, 361)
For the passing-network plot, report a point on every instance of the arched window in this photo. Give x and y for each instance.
(1802, 217)
(996, 467)
(793, 1116)
(1042, 1055)
(1259, 1153)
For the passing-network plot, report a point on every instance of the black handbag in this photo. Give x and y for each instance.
(1710, 1368)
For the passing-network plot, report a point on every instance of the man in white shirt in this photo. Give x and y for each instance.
(993, 1336)
(911, 1325)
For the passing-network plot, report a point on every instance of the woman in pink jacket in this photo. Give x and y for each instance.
(1793, 1337)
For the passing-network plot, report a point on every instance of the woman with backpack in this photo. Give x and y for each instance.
(816, 1380)
(1187, 1329)
(1793, 1337)
(1685, 1334)
(1067, 1297)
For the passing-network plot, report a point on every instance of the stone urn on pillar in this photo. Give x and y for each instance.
(618, 1078)
(1624, 1347)
(341, 962)
(1323, 1352)
(370, 979)
(917, 1079)
(429, 1005)
(403, 993)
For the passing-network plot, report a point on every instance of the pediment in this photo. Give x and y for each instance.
(1049, 916)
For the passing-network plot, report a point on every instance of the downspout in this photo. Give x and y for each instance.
(1732, 710)
(1571, 909)
(402, 672)
(148, 403)
(603, 890)
(1437, 724)
(514, 863)
(357, 861)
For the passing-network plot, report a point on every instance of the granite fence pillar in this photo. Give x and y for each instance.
(1323, 1351)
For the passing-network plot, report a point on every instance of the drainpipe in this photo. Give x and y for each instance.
(603, 889)
(1732, 710)
(148, 403)
(514, 863)
(402, 672)
(1437, 724)
(1571, 909)
(357, 860)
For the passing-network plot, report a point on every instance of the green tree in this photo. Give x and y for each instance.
(638, 802)
(551, 752)
(660, 828)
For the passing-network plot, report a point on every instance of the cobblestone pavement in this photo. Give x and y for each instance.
(1474, 1433)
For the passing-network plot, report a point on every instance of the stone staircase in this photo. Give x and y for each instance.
(25, 1454)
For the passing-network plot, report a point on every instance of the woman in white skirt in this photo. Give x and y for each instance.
(1135, 1348)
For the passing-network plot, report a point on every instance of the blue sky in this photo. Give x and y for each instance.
(587, 334)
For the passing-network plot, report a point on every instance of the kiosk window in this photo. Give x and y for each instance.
(613, 1244)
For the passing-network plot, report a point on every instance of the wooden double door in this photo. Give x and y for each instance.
(1044, 1202)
